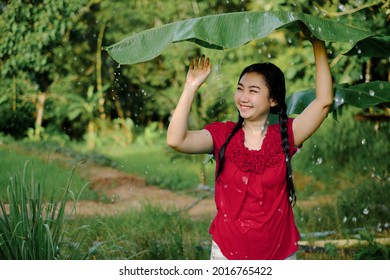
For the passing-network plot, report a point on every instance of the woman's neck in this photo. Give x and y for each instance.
(256, 128)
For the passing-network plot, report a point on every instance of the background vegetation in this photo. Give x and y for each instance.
(60, 93)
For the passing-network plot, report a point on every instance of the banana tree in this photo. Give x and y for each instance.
(231, 30)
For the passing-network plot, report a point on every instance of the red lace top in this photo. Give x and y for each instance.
(254, 218)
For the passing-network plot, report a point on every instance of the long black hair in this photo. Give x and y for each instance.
(275, 81)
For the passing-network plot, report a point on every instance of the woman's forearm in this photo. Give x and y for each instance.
(323, 78)
(178, 126)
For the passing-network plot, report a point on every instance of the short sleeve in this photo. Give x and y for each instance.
(219, 132)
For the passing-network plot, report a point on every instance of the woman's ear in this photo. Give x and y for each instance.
(274, 103)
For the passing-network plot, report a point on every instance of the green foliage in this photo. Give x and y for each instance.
(365, 205)
(34, 229)
(152, 233)
(16, 122)
(373, 251)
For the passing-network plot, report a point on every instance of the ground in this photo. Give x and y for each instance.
(122, 192)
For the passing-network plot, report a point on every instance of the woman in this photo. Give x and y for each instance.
(253, 188)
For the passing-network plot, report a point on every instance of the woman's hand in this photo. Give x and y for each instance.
(200, 69)
(308, 34)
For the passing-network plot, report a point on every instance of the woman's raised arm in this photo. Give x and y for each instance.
(311, 118)
(178, 135)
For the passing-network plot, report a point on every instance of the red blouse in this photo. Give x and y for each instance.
(254, 218)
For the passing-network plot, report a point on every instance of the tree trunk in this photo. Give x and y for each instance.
(99, 83)
(40, 106)
(91, 135)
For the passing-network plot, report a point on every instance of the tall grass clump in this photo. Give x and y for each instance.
(32, 229)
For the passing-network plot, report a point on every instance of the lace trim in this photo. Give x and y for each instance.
(270, 154)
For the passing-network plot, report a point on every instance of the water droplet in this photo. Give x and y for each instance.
(371, 92)
(354, 219)
(319, 161)
(345, 219)
(365, 211)
(341, 7)
(363, 141)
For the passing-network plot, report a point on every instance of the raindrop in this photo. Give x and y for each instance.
(371, 92)
(363, 141)
(345, 219)
(341, 7)
(365, 211)
(269, 55)
(354, 219)
(319, 161)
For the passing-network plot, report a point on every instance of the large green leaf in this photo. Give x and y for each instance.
(231, 30)
(362, 96)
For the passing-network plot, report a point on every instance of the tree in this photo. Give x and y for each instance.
(33, 34)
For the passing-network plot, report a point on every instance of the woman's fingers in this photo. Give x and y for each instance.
(200, 62)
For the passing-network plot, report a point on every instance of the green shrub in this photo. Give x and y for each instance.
(32, 229)
(366, 205)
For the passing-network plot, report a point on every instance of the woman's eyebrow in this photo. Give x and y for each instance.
(252, 86)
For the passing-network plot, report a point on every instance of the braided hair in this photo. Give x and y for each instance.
(275, 81)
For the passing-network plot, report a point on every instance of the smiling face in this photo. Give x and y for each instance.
(252, 97)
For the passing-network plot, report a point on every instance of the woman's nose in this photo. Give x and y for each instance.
(244, 96)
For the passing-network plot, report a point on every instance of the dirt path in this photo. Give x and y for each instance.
(123, 192)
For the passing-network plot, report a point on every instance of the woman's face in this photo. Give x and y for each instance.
(252, 97)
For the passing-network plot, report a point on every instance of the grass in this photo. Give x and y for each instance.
(54, 176)
(148, 234)
(33, 228)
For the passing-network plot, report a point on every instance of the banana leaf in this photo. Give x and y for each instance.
(362, 96)
(231, 30)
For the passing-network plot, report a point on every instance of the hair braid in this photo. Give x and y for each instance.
(286, 149)
(221, 154)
